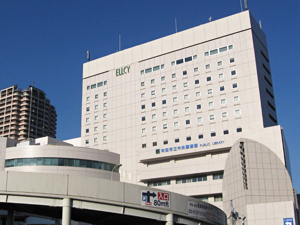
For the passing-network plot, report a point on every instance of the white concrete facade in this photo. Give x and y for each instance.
(174, 107)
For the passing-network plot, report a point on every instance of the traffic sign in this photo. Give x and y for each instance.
(155, 198)
(288, 221)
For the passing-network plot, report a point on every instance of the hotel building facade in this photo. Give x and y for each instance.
(194, 113)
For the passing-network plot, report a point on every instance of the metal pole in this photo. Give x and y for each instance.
(111, 173)
(66, 211)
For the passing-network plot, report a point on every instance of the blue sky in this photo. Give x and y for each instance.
(46, 42)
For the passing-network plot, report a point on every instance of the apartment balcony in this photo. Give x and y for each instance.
(25, 103)
(15, 112)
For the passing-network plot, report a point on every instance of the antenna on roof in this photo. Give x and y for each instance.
(209, 19)
(246, 4)
(175, 25)
(119, 42)
(88, 55)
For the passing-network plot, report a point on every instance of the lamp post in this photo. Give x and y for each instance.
(111, 173)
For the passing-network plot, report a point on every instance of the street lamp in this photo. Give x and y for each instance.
(111, 173)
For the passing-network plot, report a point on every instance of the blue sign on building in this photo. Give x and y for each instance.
(288, 221)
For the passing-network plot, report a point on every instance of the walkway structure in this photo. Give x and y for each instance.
(99, 201)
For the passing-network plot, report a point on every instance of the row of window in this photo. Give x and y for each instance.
(155, 68)
(218, 50)
(184, 60)
(96, 107)
(104, 138)
(100, 84)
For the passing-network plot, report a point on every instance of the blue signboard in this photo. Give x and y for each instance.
(288, 221)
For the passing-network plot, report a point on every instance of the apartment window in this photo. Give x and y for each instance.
(104, 104)
(203, 198)
(95, 140)
(184, 72)
(176, 124)
(185, 84)
(206, 53)
(173, 63)
(199, 106)
(208, 79)
(218, 176)
(200, 136)
(104, 94)
(186, 97)
(188, 138)
(87, 141)
(200, 119)
(231, 60)
(93, 86)
(187, 122)
(179, 61)
(100, 84)
(143, 130)
(96, 118)
(239, 129)
(155, 68)
(104, 138)
(234, 85)
(96, 106)
(175, 99)
(222, 88)
(162, 66)
(197, 81)
(105, 82)
(87, 99)
(198, 94)
(218, 198)
(209, 91)
(143, 95)
(165, 142)
(164, 102)
(153, 104)
(165, 126)
(163, 90)
(105, 115)
(224, 114)
(211, 117)
(174, 87)
(87, 120)
(163, 78)
(187, 109)
(104, 127)
(96, 96)
(213, 52)
(236, 98)
(152, 92)
(174, 75)
(223, 49)
(154, 143)
(142, 72)
(233, 72)
(152, 81)
(223, 101)
(221, 76)
(220, 63)
(230, 47)
(187, 59)
(149, 70)
(154, 128)
(164, 114)
(196, 69)
(143, 118)
(213, 134)
(210, 104)
(142, 106)
(87, 109)
(144, 145)
(153, 116)
(237, 112)
(175, 111)
(142, 84)
(176, 140)
(88, 87)
(87, 130)
(95, 128)
(225, 132)
(207, 66)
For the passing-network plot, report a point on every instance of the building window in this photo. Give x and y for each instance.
(213, 134)
(142, 84)
(96, 118)
(236, 98)
(222, 88)
(179, 61)
(187, 122)
(104, 94)
(175, 99)
(155, 68)
(195, 69)
(220, 63)
(143, 130)
(93, 86)
(188, 138)
(100, 84)
(149, 70)
(152, 92)
(95, 140)
(96, 107)
(142, 106)
(210, 104)
(143, 95)
(144, 145)
(176, 140)
(87, 141)
(198, 94)
(104, 104)
(142, 72)
(159, 183)
(224, 114)
(105, 82)
(218, 176)
(197, 81)
(163, 78)
(239, 130)
(173, 63)
(175, 111)
(162, 66)
(87, 109)
(87, 120)
(165, 142)
(174, 75)
(207, 66)
(237, 112)
(225, 132)
(213, 52)
(195, 57)
(163, 90)
(164, 102)
(234, 85)
(105, 115)
(185, 84)
(206, 53)
(176, 124)
(95, 128)
(186, 97)
(223, 101)
(153, 104)
(231, 60)
(187, 59)
(174, 87)
(211, 117)
(104, 127)
(187, 109)
(200, 119)
(154, 128)
(152, 81)
(96, 96)
(143, 118)
(165, 126)
(218, 198)
(164, 114)
(221, 76)
(208, 79)
(200, 136)
(153, 116)
(87, 99)
(184, 72)
(88, 87)
(154, 143)
(230, 47)
(87, 130)
(233, 72)
(223, 49)
(199, 106)
(209, 91)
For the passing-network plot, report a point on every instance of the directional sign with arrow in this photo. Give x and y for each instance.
(155, 199)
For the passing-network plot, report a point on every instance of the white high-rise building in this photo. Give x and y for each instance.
(181, 109)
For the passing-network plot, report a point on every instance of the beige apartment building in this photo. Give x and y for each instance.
(180, 109)
(26, 114)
